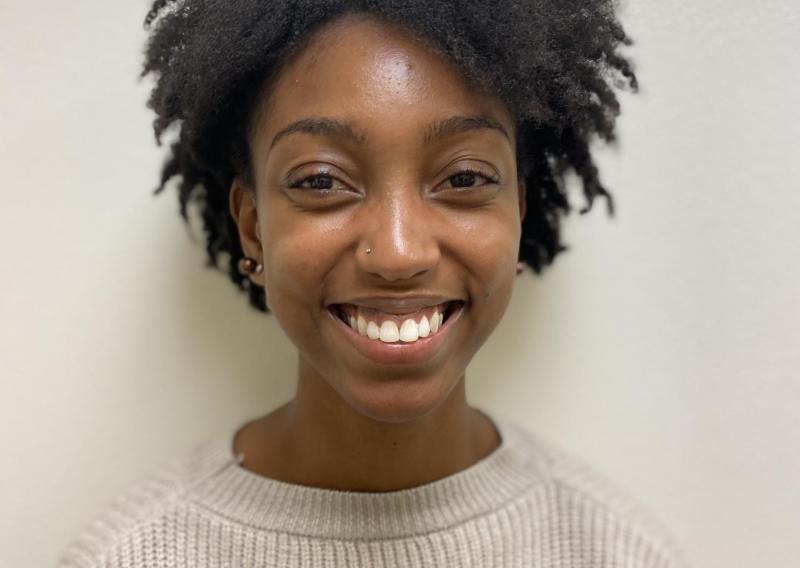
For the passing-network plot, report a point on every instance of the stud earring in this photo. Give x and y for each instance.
(249, 265)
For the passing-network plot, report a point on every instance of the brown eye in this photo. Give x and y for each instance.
(320, 189)
(463, 179)
(467, 179)
(322, 182)
(468, 188)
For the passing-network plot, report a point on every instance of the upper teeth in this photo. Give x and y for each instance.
(387, 331)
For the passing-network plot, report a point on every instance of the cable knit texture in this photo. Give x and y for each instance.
(526, 504)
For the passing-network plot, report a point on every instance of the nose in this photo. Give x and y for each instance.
(401, 238)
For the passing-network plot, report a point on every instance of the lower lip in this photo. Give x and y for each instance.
(399, 353)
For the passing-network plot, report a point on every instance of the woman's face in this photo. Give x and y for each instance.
(386, 201)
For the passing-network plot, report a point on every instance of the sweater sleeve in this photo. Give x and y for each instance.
(620, 526)
(135, 506)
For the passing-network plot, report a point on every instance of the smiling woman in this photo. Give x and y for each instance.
(377, 172)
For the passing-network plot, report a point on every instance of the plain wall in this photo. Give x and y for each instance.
(663, 347)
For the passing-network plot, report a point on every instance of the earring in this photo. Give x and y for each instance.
(248, 265)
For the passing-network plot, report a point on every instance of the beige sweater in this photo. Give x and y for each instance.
(526, 504)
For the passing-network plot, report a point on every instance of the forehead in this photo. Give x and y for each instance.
(376, 75)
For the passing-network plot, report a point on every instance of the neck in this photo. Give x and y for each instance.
(318, 440)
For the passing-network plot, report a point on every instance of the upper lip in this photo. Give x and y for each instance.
(397, 304)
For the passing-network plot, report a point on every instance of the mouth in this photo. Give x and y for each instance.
(386, 327)
(389, 338)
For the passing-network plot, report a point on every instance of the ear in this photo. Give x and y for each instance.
(523, 203)
(242, 206)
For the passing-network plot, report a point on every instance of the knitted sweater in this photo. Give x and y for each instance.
(526, 504)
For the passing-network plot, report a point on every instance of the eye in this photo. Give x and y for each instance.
(317, 188)
(466, 178)
(322, 182)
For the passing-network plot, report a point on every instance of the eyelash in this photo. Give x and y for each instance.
(488, 177)
(323, 174)
(320, 174)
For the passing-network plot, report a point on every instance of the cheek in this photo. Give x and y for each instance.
(291, 274)
(290, 261)
(489, 246)
(299, 254)
(488, 253)
(291, 266)
(491, 258)
(498, 261)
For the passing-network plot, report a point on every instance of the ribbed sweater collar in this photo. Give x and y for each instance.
(241, 496)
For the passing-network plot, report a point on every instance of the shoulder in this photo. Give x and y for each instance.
(590, 512)
(148, 501)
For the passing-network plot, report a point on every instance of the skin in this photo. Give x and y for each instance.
(355, 424)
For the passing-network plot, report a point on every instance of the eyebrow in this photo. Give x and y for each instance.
(324, 126)
(459, 124)
(321, 126)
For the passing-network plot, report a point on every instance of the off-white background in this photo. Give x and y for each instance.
(663, 347)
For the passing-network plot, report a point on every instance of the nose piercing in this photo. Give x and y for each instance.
(369, 251)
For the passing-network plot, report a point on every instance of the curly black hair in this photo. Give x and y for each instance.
(555, 63)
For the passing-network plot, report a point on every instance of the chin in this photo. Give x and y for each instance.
(398, 400)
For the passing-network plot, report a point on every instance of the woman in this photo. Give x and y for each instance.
(378, 173)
